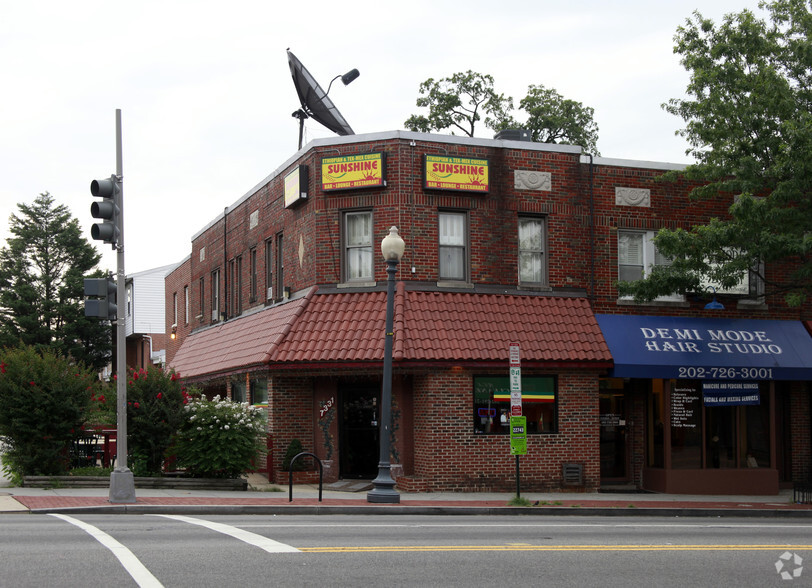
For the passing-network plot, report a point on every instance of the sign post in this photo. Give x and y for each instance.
(518, 443)
(518, 423)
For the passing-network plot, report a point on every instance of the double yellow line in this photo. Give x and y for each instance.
(526, 547)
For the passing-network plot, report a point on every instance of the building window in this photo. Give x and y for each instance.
(174, 308)
(492, 404)
(252, 255)
(186, 304)
(202, 301)
(635, 254)
(235, 286)
(358, 246)
(269, 265)
(532, 261)
(280, 267)
(733, 433)
(215, 296)
(452, 240)
(129, 299)
(259, 391)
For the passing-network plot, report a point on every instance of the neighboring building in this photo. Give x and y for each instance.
(282, 301)
(145, 325)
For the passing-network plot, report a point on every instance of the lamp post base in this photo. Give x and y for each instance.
(122, 487)
(384, 488)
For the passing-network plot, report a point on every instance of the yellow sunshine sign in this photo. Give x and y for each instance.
(455, 173)
(352, 171)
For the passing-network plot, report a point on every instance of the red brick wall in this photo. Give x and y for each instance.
(449, 456)
(173, 285)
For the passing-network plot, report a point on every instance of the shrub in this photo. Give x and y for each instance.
(155, 401)
(294, 448)
(44, 400)
(219, 438)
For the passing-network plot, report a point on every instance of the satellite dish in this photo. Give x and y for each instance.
(314, 100)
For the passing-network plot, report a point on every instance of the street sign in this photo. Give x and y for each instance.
(515, 381)
(515, 360)
(518, 435)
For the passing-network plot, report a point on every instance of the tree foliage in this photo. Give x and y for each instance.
(551, 118)
(748, 120)
(155, 401)
(42, 268)
(44, 401)
(459, 102)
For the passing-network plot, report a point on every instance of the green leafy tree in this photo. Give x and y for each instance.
(219, 438)
(44, 401)
(155, 401)
(42, 268)
(551, 118)
(748, 118)
(459, 102)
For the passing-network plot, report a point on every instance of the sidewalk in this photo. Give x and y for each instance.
(260, 500)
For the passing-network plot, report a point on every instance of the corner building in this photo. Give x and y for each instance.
(507, 242)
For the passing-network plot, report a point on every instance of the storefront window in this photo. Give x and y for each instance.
(712, 425)
(259, 391)
(492, 404)
(238, 389)
(686, 425)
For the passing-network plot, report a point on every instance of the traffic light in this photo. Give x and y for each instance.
(107, 210)
(100, 298)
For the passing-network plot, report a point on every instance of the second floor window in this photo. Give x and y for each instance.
(532, 262)
(358, 246)
(215, 296)
(635, 254)
(452, 241)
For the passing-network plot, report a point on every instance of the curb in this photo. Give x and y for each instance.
(150, 509)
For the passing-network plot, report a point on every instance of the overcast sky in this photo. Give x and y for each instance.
(206, 94)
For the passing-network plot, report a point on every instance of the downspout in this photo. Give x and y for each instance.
(224, 312)
(591, 229)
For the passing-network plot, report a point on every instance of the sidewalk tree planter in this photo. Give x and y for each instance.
(169, 482)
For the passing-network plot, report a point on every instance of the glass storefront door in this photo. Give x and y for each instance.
(614, 454)
(358, 439)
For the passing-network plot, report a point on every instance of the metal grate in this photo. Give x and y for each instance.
(572, 474)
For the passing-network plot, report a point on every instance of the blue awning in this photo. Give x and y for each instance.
(707, 348)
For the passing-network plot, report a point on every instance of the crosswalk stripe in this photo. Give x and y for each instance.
(268, 545)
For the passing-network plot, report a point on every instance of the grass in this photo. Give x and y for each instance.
(519, 501)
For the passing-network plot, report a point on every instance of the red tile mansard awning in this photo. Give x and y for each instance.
(346, 330)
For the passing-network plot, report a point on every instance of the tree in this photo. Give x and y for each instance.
(155, 401)
(44, 401)
(42, 268)
(748, 119)
(555, 119)
(459, 102)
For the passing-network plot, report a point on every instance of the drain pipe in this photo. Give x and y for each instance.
(591, 228)
(224, 310)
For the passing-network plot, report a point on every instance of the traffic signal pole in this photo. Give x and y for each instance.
(122, 483)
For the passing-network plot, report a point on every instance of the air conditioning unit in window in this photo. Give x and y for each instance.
(214, 316)
(269, 295)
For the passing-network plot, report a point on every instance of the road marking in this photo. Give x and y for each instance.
(142, 576)
(268, 545)
(514, 547)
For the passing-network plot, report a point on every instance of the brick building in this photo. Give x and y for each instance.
(282, 304)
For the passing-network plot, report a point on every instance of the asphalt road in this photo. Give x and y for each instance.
(156, 550)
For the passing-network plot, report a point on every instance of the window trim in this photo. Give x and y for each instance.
(545, 279)
(345, 248)
(649, 259)
(466, 248)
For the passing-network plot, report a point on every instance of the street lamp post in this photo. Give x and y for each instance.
(384, 491)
